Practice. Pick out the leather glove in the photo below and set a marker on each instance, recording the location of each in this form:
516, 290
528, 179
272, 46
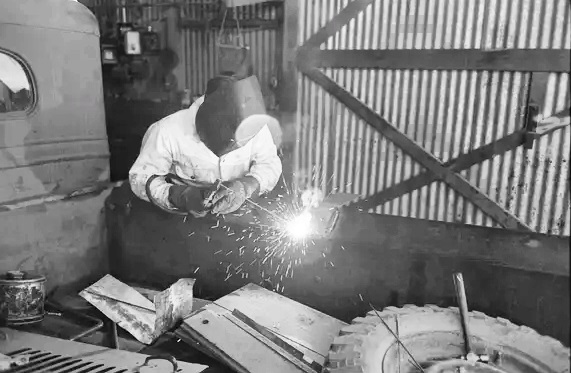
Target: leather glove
232, 194
189, 199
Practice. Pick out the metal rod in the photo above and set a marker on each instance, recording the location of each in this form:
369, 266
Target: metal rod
260, 207
114, 336
98, 322
397, 339
397, 332
93, 329
463, 307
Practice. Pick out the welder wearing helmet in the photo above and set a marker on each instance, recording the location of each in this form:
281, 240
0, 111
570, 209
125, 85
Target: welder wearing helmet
224, 136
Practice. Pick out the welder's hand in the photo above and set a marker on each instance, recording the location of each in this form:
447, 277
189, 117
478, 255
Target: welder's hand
189, 199
230, 197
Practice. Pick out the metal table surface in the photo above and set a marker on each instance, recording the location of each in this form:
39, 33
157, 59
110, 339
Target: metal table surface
50, 354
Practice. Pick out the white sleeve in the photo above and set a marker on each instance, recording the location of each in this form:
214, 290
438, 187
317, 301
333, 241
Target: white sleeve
267, 165
155, 158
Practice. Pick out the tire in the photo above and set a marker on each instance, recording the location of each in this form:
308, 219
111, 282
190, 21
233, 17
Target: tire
432, 334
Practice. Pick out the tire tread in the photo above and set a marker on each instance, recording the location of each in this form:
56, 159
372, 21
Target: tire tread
346, 353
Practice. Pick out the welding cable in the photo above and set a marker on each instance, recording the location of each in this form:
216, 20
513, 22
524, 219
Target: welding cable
156, 203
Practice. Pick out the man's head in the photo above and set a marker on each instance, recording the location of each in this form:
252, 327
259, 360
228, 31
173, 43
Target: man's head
218, 117
227, 103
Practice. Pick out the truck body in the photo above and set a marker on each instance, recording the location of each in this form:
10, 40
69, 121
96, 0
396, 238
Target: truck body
53, 141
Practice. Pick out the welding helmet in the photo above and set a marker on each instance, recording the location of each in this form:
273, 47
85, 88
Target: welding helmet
232, 113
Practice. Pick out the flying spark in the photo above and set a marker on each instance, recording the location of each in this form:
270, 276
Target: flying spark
277, 239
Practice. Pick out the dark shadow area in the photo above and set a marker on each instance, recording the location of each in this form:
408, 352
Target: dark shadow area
127, 122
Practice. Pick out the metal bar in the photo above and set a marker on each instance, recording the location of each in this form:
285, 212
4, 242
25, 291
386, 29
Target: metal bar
98, 322
270, 344
337, 22
532, 60
268, 334
461, 163
419, 154
189, 23
288, 84
114, 336
463, 307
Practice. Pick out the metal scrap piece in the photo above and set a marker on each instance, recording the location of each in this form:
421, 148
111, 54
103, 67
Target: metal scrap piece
143, 319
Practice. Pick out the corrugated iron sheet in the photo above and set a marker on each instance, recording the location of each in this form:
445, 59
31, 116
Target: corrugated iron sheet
448, 113
200, 54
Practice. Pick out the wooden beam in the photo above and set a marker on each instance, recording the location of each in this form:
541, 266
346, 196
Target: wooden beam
288, 75
336, 23
420, 155
533, 60
190, 23
461, 163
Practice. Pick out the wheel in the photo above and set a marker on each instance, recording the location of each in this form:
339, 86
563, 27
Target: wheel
433, 336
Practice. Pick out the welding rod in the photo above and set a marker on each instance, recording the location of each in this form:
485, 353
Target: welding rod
210, 197
463, 307
418, 366
256, 205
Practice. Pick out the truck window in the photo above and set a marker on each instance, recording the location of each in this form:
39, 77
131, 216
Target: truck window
15, 87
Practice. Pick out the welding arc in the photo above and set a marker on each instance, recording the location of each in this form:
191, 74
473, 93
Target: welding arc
398, 339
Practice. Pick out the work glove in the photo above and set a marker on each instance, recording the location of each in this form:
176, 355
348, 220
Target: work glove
189, 199
232, 194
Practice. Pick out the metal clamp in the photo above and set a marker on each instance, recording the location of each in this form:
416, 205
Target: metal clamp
530, 125
168, 358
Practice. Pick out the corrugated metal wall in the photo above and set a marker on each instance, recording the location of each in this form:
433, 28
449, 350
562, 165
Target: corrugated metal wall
198, 52
448, 113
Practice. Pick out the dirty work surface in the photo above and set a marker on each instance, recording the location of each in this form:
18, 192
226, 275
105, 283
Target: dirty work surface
135, 313
309, 331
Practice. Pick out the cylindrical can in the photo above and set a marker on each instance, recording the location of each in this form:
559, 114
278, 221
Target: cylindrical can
22, 297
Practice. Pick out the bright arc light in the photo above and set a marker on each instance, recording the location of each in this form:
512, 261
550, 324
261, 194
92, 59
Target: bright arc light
300, 226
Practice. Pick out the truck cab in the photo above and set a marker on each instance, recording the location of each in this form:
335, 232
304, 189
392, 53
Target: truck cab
54, 153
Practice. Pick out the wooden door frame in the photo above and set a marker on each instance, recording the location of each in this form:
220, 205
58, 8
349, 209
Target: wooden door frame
310, 58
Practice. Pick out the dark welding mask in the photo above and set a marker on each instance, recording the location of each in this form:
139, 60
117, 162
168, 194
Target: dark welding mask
232, 113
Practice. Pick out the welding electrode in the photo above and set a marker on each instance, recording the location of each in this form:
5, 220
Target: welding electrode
210, 198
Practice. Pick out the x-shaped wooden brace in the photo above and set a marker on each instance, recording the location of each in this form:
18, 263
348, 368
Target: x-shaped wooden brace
439, 170
463, 162
419, 154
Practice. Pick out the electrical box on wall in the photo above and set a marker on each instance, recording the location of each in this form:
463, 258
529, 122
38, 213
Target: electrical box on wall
109, 54
150, 42
132, 43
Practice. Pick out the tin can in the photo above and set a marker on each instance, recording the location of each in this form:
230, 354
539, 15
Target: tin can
22, 297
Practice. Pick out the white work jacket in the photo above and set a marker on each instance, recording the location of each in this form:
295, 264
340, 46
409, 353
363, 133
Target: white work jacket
172, 145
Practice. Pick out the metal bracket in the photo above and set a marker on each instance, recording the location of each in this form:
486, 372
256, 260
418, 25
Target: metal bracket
530, 126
